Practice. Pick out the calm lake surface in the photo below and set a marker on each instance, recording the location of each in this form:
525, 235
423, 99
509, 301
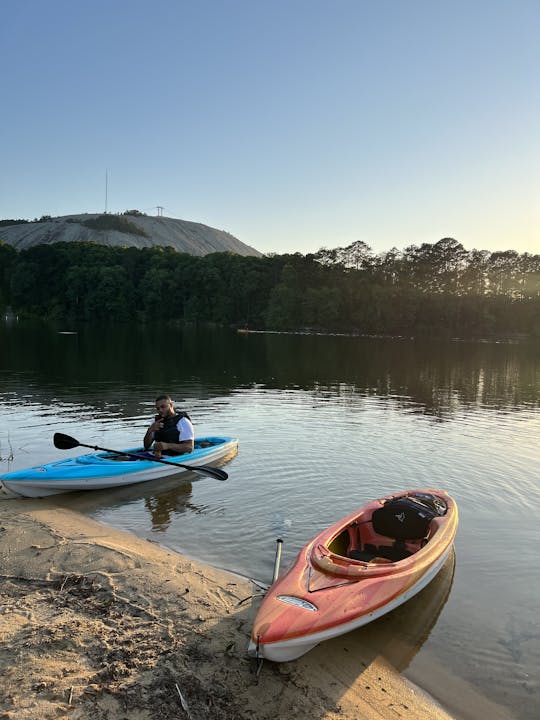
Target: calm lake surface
325, 424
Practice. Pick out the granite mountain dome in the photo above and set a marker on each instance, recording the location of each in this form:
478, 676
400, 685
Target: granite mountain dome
126, 230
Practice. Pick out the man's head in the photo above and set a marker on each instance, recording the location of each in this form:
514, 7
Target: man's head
164, 405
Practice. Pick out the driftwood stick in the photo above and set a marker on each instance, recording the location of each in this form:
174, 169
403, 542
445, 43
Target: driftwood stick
183, 702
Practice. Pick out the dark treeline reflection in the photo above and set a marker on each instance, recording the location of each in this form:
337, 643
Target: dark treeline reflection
124, 364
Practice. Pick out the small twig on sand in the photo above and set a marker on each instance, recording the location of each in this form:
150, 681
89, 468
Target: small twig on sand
21, 578
262, 586
10, 457
256, 596
183, 702
62, 586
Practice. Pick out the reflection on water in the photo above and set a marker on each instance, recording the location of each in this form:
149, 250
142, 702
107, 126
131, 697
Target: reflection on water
162, 506
325, 424
163, 500
399, 635
438, 377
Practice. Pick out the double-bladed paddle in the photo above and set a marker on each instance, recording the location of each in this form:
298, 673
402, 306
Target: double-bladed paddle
65, 442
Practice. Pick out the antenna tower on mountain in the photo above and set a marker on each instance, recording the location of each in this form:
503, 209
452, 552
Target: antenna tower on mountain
106, 190
160, 209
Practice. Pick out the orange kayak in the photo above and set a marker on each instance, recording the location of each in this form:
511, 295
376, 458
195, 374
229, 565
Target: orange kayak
360, 568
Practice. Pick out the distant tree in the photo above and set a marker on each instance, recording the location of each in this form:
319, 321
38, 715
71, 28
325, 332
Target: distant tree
23, 282
111, 298
357, 255
326, 256
387, 267
99, 293
321, 308
8, 258
530, 278
5, 223
114, 222
156, 292
474, 278
283, 312
503, 273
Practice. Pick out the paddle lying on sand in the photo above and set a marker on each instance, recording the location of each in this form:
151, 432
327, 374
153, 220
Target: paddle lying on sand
65, 442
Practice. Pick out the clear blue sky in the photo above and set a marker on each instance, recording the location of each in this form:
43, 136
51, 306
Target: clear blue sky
291, 124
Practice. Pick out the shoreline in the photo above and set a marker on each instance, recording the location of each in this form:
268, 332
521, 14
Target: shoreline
496, 339
98, 623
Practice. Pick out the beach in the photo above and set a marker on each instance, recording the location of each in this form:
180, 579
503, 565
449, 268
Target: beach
98, 623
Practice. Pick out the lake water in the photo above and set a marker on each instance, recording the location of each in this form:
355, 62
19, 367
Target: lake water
325, 424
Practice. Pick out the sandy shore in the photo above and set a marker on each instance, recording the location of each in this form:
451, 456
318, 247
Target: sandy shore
96, 623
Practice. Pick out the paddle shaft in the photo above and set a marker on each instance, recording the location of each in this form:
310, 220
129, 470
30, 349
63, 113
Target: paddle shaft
203, 470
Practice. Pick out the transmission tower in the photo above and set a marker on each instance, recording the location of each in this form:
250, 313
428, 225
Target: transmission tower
159, 209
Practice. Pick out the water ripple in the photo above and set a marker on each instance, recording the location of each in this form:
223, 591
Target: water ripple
309, 456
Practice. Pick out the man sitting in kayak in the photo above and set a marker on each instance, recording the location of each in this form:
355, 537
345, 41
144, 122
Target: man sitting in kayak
171, 432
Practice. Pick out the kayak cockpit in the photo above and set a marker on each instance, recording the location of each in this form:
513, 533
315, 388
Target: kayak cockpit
384, 532
362, 543
138, 454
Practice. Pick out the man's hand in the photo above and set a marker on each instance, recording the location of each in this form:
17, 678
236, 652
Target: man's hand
159, 447
156, 425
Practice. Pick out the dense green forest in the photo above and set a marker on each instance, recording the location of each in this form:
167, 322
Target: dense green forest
432, 288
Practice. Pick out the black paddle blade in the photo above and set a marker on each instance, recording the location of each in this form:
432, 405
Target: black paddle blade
207, 470
64, 442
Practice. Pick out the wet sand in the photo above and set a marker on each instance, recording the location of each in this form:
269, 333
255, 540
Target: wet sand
99, 624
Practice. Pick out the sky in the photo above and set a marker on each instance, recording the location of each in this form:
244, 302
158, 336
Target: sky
292, 124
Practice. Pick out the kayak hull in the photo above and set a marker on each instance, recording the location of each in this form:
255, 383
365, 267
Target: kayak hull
101, 470
326, 593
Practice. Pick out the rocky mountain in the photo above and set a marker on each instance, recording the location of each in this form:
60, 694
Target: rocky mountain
129, 229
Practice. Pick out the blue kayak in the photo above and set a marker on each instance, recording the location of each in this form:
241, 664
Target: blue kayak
101, 470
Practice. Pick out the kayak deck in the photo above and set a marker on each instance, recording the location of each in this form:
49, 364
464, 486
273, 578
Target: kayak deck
201, 449
106, 469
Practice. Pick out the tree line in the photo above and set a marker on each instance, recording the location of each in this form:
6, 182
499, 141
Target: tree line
430, 288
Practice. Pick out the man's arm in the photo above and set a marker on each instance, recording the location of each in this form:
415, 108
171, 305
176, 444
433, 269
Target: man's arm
148, 439
185, 446
149, 436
